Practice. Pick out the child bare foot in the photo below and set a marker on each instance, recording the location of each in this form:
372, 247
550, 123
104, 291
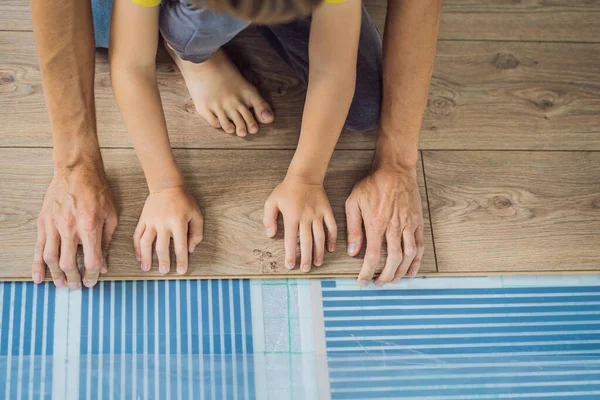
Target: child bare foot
222, 96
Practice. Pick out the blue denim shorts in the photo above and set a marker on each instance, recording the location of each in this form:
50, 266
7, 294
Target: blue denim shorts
193, 32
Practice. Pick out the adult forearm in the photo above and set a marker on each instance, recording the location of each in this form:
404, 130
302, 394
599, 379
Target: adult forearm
409, 46
65, 44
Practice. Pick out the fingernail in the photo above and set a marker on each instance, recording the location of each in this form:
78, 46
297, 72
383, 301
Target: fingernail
318, 262
266, 115
351, 248
379, 284
163, 269
138, 257
363, 282
60, 282
74, 285
242, 133
331, 248
305, 268
192, 248
396, 279
180, 270
270, 232
290, 265
144, 267
89, 282
37, 277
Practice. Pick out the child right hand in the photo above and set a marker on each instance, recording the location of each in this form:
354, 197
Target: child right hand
170, 213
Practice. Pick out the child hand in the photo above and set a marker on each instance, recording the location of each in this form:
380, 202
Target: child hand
170, 213
304, 207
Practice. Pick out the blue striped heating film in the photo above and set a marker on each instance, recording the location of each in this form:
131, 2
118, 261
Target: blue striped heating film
26, 340
526, 342
167, 339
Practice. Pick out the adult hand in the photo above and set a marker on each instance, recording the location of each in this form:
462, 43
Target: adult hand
168, 213
78, 209
305, 209
389, 204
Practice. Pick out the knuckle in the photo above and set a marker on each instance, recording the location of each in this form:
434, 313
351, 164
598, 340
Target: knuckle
145, 241
68, 222
67, 267
372, 256
51, 257
89, 222
94, 266
376, 222
410, 251
395, 223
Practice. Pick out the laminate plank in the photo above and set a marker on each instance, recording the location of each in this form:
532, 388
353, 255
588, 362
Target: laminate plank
484, 95
230, 186
532, 20
514, 211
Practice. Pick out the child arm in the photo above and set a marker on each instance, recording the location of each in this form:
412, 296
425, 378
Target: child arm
333, 49
301, 198
170, 210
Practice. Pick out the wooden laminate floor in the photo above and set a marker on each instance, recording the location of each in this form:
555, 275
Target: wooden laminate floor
509, 170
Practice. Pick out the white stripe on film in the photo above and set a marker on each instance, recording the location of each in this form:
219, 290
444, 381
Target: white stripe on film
90, 316
258, 340
444, 363
134, 340
60, 329
460, 335
190, 375
20, 382
210, 343
101, 341
33, 336
145, 337
406, 296
168, 327
454, 316
73, 350
11, 316
439, 326
352, 307
44, 338
244, 347
178, 333
361, 347
156, 341
377, 388
222, 355
233, 334
123, 329
200, 341
112, 342
400, 377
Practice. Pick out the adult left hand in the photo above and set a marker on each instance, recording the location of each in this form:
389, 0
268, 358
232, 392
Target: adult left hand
388, 202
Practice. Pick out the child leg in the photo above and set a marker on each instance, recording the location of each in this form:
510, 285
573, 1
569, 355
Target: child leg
222, 96
290, 41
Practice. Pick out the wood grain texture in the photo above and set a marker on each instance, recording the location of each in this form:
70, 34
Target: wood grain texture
484, 95
230, 186
514, 211
532, 20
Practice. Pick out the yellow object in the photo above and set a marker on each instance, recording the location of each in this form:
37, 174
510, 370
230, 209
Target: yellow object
147, 3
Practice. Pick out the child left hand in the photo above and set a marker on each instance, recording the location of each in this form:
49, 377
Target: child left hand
305, 208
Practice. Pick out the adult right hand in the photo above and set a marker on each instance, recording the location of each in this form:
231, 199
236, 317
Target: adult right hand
78, 208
